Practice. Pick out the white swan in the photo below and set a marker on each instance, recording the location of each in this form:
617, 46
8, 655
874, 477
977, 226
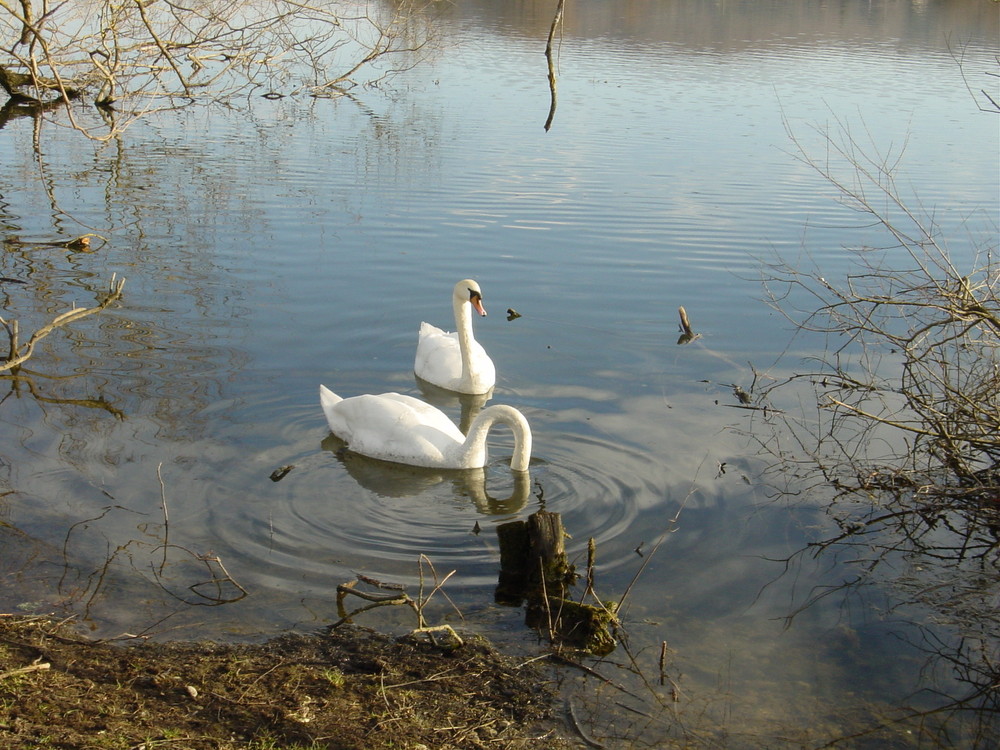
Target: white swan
399, 428
456, 361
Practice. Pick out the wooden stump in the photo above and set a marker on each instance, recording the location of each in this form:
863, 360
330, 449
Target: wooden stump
534, 569
533, 558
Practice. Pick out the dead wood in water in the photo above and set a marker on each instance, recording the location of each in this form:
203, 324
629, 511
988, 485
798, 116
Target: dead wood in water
79, 244
152, 56
11, 81
556, 20
398, 596
552, 29
17, 355
534, 569
532, 558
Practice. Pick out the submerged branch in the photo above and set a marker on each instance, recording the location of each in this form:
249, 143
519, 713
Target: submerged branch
18, 355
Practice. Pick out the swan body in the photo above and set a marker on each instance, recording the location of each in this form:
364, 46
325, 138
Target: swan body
404, 429
456, 361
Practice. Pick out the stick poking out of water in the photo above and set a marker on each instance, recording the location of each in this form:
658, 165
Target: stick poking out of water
552, 71
687, 335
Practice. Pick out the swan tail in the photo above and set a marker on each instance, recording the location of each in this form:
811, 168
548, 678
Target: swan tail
328, 397
427, 329
328, 400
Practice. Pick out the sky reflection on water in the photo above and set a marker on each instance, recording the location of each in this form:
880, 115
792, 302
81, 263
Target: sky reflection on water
300, 242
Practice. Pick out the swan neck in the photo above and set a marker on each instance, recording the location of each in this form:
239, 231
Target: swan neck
508, 415
463, 325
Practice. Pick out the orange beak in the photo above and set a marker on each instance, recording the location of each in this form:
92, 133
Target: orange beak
477, 303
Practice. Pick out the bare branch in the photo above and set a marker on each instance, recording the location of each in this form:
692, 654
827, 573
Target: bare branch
144, 56
16, 356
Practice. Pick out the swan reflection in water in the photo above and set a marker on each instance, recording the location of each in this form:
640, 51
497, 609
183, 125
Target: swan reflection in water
389, 479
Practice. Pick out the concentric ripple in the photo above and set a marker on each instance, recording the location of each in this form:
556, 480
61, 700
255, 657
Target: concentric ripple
337, 514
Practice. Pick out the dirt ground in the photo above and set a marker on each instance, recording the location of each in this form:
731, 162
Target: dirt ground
353, 688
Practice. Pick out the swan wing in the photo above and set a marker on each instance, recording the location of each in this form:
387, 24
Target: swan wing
439, 357
396, 427
483, 367
439, 361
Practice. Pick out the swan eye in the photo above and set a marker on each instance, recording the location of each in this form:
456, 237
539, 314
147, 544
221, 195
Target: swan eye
476, 300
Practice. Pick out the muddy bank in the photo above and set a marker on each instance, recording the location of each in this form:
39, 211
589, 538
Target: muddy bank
354, 688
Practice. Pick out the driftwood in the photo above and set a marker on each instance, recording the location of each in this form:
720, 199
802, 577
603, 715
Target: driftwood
81, 243
281, 472
18, 355
534, 569
552, 70
11, 81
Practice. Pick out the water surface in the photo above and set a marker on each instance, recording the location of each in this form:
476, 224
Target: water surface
280, 244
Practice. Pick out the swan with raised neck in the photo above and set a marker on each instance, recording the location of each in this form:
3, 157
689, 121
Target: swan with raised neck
455, 360
403, 429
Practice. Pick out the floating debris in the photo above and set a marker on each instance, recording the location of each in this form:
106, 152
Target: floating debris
77, 244
80, 243
742, 395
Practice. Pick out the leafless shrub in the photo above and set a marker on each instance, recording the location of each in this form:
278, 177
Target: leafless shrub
907, 394
897, 422
136, 56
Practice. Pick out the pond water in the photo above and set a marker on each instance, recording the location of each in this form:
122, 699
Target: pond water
276, 245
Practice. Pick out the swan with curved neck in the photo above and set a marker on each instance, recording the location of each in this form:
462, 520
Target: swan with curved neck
406, 430
456, 361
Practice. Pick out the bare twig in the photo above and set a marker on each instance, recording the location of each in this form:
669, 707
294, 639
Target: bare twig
398, 597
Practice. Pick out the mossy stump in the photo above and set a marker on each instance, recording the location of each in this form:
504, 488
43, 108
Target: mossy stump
534, 570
